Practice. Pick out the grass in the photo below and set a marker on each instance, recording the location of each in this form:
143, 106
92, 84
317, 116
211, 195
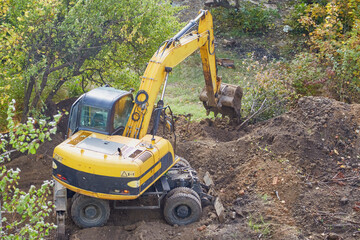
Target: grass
187, 81
259, 225
184, 87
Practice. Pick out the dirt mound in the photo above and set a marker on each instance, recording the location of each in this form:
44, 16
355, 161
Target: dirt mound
295, 176
298, 172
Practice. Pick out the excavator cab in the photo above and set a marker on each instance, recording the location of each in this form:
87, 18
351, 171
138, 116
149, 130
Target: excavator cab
103, 110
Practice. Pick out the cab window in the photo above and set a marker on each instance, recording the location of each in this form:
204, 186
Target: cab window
72, 127
122, 111
93, 117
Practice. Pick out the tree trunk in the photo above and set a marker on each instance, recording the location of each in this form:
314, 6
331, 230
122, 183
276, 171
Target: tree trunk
28, 91
42, 87
55, 90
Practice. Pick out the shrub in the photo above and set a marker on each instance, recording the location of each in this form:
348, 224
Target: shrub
333, 67
248, 17
269, 92
308, 75
23, 214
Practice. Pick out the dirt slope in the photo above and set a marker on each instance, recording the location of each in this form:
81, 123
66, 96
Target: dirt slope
292, 177
296, 176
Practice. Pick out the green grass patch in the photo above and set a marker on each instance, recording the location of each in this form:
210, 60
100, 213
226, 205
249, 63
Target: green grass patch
187, 81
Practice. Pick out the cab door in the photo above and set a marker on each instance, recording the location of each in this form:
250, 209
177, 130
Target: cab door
73, 124
121, 113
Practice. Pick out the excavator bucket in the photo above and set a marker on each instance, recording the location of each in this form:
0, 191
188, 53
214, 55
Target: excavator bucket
229, 103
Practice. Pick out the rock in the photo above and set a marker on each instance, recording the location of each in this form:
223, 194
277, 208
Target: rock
333, 236
229, 43
202, 228
131, 227
212, 216
232, 215
240, 212
207, 222
344, 200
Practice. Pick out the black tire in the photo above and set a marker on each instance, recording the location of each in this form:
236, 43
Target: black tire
182, 190
90, 212
76, 195
182, 209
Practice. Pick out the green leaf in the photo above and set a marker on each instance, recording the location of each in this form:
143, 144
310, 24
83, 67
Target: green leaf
32, 150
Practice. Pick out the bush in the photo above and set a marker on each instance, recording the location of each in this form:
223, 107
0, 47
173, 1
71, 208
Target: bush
248, 17
269, 92
333, 66
23, 213
309, 76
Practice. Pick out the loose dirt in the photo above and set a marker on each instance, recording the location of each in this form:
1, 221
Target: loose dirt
295, 176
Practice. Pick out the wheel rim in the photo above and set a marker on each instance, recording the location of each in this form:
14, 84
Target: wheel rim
182, 211
91, 213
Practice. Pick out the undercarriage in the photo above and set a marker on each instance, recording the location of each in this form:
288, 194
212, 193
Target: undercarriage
179, 193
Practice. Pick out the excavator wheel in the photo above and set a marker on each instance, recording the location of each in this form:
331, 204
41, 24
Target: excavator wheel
182, 209
76, 195
90, 212
182, 190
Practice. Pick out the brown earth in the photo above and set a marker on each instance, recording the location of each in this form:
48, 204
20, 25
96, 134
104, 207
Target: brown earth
295, 176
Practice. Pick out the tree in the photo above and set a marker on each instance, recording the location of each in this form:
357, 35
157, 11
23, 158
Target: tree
48, 44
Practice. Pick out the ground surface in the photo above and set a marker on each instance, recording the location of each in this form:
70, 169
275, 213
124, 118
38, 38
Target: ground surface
292, 177
295, 176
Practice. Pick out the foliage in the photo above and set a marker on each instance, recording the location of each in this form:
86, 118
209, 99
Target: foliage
333, 30
309, 76
246, 17
292, 19
27, 137
24, 212
269, 91
48, 43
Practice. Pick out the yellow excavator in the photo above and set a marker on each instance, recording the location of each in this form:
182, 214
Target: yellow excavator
108, 157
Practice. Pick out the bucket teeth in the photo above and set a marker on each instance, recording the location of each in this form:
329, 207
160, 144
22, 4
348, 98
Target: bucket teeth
229, 101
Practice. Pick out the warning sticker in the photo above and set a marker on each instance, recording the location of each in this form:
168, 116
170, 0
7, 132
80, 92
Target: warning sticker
127, 174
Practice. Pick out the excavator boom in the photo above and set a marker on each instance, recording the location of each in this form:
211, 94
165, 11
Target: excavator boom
217, 97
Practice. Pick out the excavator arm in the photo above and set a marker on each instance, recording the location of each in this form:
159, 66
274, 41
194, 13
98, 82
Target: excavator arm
170, 54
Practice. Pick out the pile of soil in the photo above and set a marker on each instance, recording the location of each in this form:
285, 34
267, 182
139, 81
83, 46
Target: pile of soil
292, 177
295, 176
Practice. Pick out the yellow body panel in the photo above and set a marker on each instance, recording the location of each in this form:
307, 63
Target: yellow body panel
140, 165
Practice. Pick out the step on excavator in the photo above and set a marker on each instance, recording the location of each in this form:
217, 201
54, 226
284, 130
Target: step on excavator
109, 159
